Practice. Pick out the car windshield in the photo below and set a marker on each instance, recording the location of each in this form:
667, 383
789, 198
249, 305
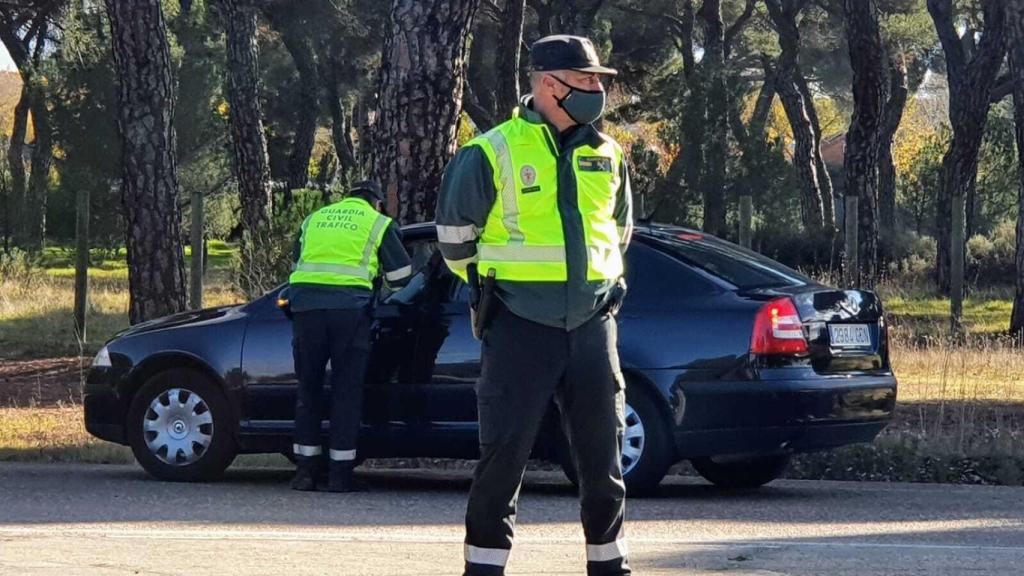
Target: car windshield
745, 269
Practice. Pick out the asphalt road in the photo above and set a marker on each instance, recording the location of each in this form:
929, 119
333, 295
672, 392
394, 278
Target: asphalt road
63, 520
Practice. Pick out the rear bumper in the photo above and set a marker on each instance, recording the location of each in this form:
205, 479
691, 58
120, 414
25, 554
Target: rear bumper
780, 415
774, 440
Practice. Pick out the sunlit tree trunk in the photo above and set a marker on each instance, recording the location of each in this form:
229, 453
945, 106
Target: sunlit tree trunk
419, 101
149, 186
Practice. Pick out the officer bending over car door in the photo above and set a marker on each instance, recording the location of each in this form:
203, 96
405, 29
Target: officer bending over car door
535, 215
341, 250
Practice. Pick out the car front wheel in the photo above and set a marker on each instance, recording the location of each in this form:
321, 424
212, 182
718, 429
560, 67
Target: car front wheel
179, 427
741, 473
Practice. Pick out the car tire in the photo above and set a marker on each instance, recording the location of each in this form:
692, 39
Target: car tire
747, 473
647, 432
180, 427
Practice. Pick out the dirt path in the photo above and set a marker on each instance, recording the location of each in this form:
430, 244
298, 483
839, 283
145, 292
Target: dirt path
47, 382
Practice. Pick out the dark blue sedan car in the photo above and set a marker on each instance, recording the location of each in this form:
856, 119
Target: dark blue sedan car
732, 361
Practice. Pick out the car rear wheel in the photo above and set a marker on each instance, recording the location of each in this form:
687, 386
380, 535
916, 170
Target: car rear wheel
646, 446
741, 473
179, 427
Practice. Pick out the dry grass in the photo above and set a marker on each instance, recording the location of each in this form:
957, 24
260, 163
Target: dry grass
36, 310
991, 372
54, 434
57, 434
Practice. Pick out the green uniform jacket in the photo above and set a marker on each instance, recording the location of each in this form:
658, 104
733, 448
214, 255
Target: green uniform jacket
467, 195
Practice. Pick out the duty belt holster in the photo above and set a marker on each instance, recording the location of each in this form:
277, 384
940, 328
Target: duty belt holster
481, 299
285, 304
617, 296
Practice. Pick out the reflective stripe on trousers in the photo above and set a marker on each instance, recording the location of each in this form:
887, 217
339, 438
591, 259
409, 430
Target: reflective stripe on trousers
605, 552
343, 455
302, 450
488, 556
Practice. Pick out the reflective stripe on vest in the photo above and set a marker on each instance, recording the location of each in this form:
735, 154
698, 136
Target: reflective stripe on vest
523, 238
339, 245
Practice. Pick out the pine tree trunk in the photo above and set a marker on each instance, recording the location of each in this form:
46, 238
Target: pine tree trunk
896, 104
296, 40
752, 138
196, 241
420, 98
803, 153
39, 178
16, 164
716, 133
509, 43
867, 58
1015, 17
341, 136
783, 14
149, 187
249, 143
828, 193
971, 79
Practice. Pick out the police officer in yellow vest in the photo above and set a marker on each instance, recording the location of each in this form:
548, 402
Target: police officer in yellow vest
340, 252
543, 203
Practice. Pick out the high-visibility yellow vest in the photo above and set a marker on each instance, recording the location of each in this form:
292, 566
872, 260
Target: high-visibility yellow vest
523, 239
339, 245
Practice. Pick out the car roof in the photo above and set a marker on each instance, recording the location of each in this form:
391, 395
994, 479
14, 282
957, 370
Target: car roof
737, 266
644, 228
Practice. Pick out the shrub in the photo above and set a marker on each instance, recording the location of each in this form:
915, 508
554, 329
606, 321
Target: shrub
267, 256
16, 264
813, 254
910, 258
991, 259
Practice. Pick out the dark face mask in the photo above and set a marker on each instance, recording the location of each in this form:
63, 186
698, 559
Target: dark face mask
583, 106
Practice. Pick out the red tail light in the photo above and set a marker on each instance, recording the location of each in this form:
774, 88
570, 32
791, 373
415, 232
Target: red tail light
778, 330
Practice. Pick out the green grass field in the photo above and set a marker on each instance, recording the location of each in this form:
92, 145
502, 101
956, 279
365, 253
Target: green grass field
983, 314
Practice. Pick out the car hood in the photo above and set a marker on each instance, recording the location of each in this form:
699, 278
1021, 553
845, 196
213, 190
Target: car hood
181, 319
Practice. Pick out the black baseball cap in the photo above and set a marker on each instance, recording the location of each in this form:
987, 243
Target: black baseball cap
368, 188
565, 52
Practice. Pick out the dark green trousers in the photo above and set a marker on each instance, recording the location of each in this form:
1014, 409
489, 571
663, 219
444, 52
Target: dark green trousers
525, 366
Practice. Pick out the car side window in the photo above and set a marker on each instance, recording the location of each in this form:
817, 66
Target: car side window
653, 275
420, 252
431, 280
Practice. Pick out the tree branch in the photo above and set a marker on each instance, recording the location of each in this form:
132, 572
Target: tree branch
675, 23
991, 51
689, 60
1002, 89
482, 118
738, 25
681, 27
491, 9
942, 15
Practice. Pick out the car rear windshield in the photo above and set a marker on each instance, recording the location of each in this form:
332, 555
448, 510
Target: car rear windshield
745, 269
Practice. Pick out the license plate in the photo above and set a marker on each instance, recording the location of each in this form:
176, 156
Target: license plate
850, 336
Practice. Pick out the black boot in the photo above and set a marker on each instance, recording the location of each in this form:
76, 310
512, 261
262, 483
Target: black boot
305, 474
342, 479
